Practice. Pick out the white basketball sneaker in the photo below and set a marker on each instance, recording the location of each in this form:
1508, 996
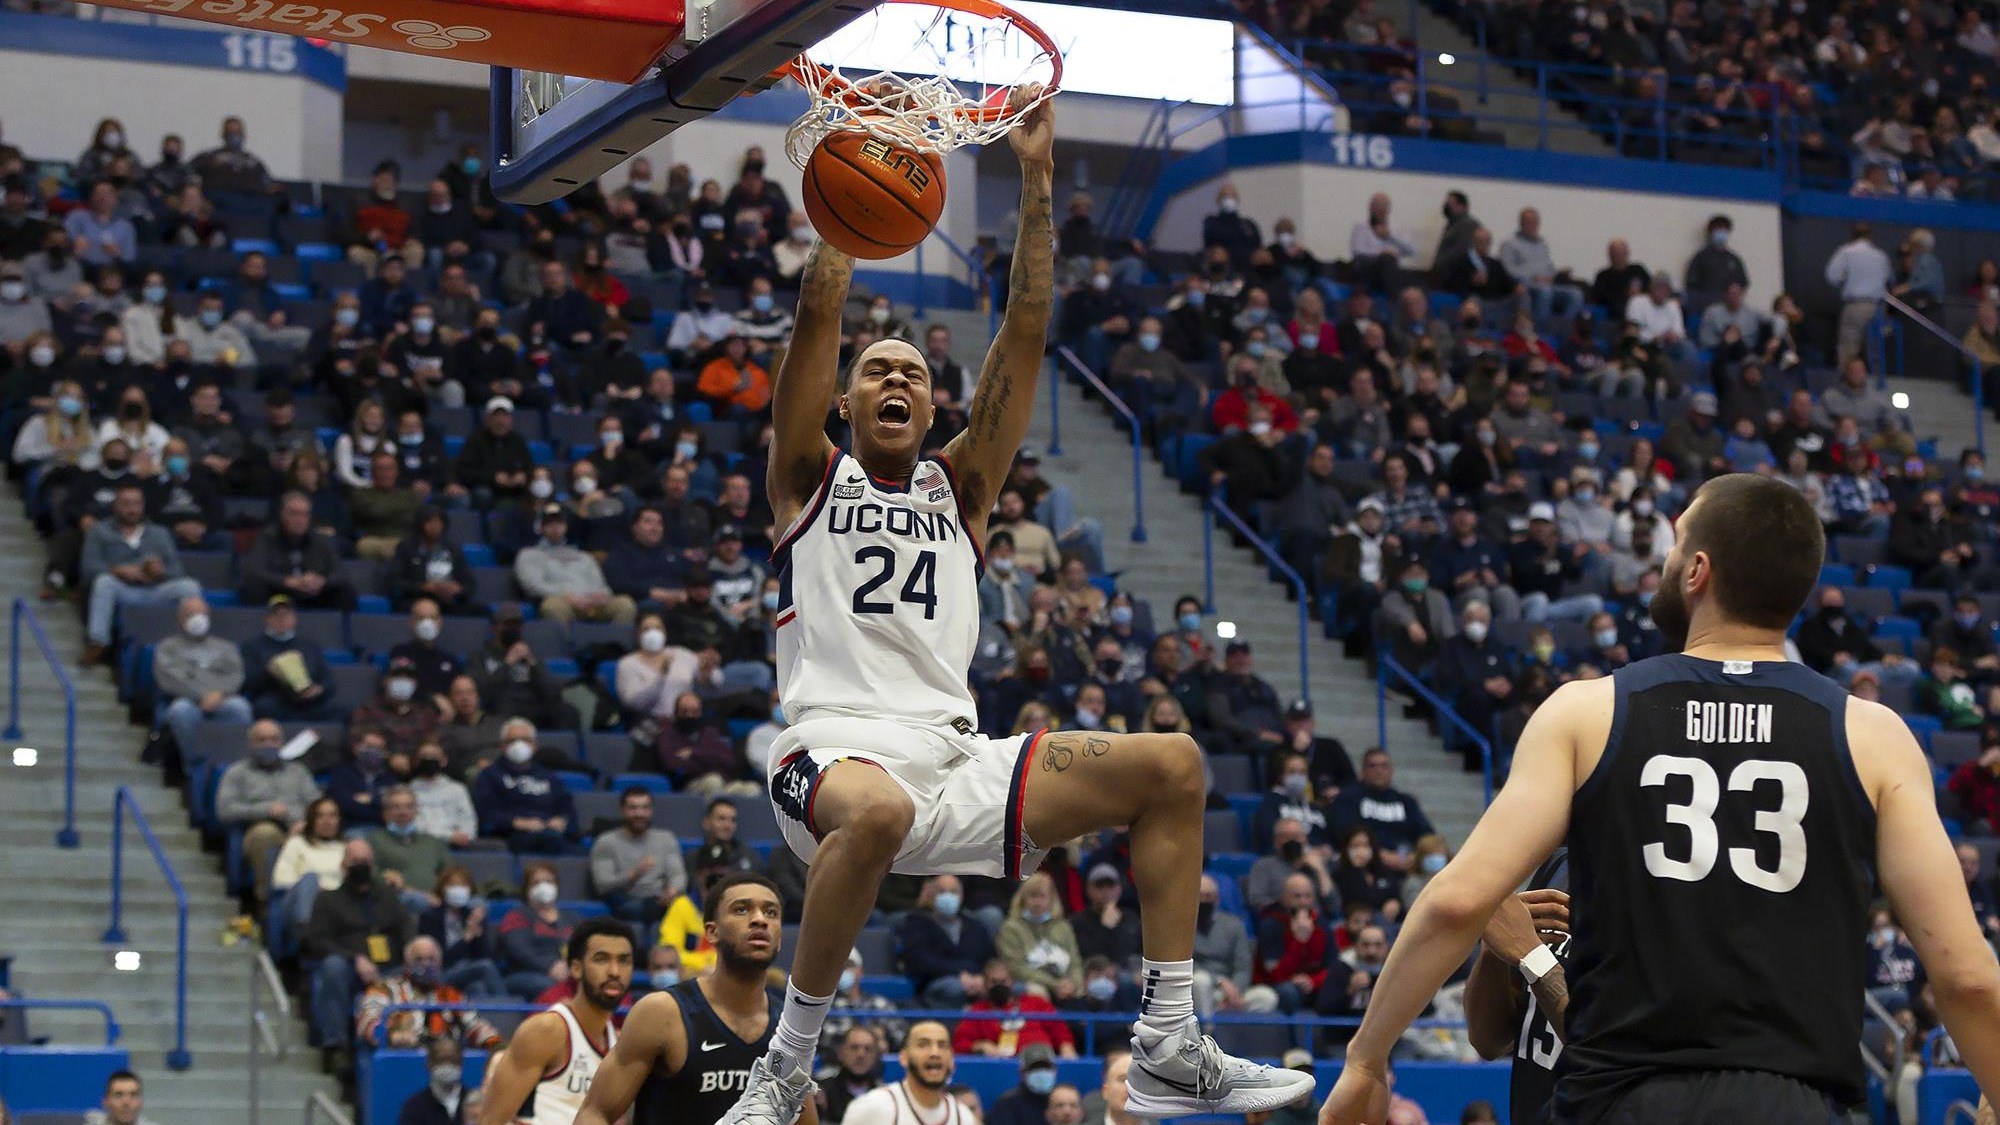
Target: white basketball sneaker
771, 1100
1186, 1073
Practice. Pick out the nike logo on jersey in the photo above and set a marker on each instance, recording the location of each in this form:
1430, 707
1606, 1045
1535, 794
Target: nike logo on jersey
707, 1046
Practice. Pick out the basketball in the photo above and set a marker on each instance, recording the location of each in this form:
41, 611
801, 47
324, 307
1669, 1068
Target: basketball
872, 199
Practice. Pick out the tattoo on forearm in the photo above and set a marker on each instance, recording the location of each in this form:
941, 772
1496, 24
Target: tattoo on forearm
1030, 302
1552, 997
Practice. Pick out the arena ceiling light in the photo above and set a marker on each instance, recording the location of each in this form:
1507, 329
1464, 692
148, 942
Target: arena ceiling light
125, 960
1446, 58
1225, 630
26, 757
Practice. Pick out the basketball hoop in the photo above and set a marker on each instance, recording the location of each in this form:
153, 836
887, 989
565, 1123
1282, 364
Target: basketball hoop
947, 90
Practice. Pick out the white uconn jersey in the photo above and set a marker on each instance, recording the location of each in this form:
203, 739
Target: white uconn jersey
561, 1092
878, 604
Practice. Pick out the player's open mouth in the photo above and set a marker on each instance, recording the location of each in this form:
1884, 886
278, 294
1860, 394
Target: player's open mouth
893, 412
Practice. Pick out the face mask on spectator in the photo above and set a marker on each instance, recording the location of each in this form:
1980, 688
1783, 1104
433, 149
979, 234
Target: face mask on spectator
520, 751
115, 466
1434, 863
281, 636
13, 292
457, 896
370, 757
361, 876
947, 903
847, 979
584, 485
444, 1076
1286, 239
1204, 915
1719, 238
1085, 717
1255, 348
1196, 298
778, 714
114, 354
470, 165
1415, 587
1098, 281
410, 440
541, 488
1587, 451
1149, 341
760, 302
1642, 507
196, 625
1189, 622
70, 405
1259, 429
1227, 204
653, 640
427, 629
177, 465
1101, 989
1295, 785
879, 314
42, 355
347, 318
1974, 472
1309, 341
1475, 631
426, 977
1586, 495
542, 893
1121, 615
686, 450
1040, 1080
770, 601
1605, 638
211, 318
423, 325
402, 689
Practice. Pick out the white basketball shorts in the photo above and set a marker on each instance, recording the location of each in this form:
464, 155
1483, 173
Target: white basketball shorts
968, 791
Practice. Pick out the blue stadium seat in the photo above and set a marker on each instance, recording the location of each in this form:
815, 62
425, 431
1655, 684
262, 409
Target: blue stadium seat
1889, 577
1923, 726
576, 781
658, 786
595, 806
1234, 773
1221, 831
1836, 574
1952, 748
608, 752
489, 869
476, 554
492, 584
1870, 603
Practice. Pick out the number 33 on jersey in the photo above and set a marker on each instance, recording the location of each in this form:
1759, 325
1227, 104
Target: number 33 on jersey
878, 599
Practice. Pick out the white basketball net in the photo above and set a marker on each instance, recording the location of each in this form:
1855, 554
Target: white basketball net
927, 78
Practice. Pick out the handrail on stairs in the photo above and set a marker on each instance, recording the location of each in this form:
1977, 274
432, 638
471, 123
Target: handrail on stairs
321, 1104
264, 981
1131, 419
125, 804
1385, 668
111, 1029
1299, 588
66, 835
1878, 329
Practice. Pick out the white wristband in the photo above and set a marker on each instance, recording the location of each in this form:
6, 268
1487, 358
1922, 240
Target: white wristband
1539, 962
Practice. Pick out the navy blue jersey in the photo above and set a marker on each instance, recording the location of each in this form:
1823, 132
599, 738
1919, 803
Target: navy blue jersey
1722, 863
1539, 1048
716, 1070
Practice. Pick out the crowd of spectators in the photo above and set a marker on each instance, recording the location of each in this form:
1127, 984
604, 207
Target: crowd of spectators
1891, 107
439, 530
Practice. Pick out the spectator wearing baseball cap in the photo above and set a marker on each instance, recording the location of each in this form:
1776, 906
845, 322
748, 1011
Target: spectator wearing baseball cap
1103, 927
1243, 705
399, 710
1695, 445
1359, 567
1547, 569
1327, 765
285, 675
735, 580
496, 462
565, 581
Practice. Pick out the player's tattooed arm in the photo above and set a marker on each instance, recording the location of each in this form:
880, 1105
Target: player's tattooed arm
1005, 398
803, 389
1552, 997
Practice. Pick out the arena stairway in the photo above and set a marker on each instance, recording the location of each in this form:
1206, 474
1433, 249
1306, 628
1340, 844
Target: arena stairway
56, 906
1096, 466
1511, 106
